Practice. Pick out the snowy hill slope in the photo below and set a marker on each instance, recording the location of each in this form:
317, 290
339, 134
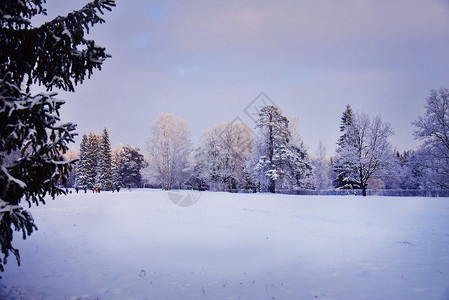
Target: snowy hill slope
139, 245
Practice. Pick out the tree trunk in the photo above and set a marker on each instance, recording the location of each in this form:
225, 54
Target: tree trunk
271, 186
364, 190
271, 183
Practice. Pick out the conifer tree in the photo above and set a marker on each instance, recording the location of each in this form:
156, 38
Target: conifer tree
300, 171
277, 161
131, 163
104, 165
275, 133
32, 139
341, 170
92, 158
81, 170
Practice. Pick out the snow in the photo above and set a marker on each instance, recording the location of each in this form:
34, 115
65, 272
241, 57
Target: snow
10, 178
67, 33
139, 245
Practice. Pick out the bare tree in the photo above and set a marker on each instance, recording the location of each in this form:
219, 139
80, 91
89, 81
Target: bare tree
168, 149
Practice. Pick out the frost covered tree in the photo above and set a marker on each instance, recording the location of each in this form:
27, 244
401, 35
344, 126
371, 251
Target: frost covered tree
104, 164
81, 169
87, 170
273, 138
32, 138
168, 148
300, 173
433, 129
131, 164
365, 152
92, 158
275, 160
407, 173
222, 154
71, 155
322, 169
340, 170
115, 165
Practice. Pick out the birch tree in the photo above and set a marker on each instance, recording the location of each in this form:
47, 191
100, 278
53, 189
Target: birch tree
168, 148
322, 169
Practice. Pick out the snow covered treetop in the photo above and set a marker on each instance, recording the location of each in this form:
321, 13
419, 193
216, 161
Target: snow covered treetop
56, 54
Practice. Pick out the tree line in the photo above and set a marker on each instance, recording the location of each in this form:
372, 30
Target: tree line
365, 156
272, 157
107, 169
229, 156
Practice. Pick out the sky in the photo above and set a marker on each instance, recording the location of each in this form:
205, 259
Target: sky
214, 61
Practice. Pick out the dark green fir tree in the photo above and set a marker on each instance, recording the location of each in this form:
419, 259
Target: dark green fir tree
33, 139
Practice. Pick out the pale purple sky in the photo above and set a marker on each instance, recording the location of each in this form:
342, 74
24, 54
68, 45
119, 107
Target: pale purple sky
206, 61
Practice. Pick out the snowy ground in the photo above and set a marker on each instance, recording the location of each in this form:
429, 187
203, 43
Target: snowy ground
139, 245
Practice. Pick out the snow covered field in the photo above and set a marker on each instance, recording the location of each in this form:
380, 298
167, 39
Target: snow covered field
139, 245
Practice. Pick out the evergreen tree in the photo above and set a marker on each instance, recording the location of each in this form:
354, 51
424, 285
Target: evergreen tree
32, 138
276, 160
301, 171
81, 170
92, 157
346, 121
131, 163
104, 165
275, 135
